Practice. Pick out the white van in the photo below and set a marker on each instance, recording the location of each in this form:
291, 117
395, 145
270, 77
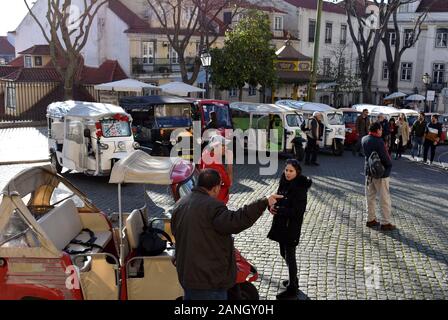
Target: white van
333, 120
88, 137
283, 122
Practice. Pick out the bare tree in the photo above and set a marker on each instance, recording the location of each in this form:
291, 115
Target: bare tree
201, 22
395, 51
67, 31
367, 30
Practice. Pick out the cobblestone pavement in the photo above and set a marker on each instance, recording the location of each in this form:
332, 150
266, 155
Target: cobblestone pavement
20, 145
338, 257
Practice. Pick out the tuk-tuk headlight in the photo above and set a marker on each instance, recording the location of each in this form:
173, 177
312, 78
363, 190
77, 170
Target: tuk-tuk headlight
136, 145
121, 146
104, 146
173, 142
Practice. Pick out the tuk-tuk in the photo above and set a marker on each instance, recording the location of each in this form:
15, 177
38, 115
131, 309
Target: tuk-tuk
275, 128
333, 120
88, 137
155, 118
351, 132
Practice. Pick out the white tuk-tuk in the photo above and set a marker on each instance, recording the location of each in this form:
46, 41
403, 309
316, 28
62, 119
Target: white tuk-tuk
333, 120
88, 137
277, 128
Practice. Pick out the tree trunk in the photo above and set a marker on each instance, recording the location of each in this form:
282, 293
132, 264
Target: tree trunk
69, 80
240, 96
392, 84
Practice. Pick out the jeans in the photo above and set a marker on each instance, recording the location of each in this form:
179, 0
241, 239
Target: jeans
311, 150
289, 254
427, 145
192, 294
417, 145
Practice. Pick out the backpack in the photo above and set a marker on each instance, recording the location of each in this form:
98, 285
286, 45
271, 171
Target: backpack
374, 166
150, 241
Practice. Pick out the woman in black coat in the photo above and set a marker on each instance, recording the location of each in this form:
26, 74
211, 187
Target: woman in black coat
287, 222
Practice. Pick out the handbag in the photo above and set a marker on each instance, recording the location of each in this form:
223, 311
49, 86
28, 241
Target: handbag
151, 242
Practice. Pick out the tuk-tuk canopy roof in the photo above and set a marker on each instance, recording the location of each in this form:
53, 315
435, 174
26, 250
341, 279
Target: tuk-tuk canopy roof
250, 107
141, 168
305, 106
80, 109
376, 109
144, 102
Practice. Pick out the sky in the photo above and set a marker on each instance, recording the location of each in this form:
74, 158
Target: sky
11, 14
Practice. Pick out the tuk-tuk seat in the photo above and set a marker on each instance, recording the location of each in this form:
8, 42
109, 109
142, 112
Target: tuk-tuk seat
63, 225
134, 227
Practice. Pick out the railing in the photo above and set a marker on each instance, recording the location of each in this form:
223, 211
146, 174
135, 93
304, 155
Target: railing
144, 66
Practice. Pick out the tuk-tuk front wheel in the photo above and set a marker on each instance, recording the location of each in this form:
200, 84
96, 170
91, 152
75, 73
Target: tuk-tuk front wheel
338, 147
55, 162
243, 291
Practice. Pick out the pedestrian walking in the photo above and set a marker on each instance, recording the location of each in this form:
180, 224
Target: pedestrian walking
314, 131
403, 135
377, 185
433, 134
287, 222
393, 136
418, 132
362, 127
385, 127
203, 227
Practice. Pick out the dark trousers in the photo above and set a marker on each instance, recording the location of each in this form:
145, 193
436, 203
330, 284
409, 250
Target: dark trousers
400, 148
311, 150
289, 254
429, 144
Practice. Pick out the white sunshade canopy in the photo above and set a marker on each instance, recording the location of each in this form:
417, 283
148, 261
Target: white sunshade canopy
409, 112
126, 85
261, 108
179, 89
376, 109
141, 168
80, 109
395, 95
305, 106
416, 97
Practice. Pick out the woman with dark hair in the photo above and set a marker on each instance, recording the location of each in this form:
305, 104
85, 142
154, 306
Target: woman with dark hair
287, 222
393, 135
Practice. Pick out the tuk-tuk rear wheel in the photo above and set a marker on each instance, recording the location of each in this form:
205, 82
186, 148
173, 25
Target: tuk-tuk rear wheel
249, 291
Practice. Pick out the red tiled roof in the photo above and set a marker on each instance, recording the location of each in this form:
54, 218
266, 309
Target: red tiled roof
433, 5
40, 50
133, 21
6, 48
34, 75
312, 4
17, 62
6, 70
109, 71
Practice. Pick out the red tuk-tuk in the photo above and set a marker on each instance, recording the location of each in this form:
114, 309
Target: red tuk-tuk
203, 110
350, 117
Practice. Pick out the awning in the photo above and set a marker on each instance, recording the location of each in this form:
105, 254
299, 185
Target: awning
126, 85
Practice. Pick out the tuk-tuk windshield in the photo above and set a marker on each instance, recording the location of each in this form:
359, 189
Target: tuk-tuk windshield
350, 117
115, 128
294, 120
173, 116
222, 113
335, 119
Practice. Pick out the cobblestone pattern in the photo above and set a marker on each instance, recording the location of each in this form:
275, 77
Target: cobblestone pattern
338, 257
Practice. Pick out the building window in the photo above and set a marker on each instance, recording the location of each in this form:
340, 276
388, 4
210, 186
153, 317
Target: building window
442, 38
174, 56
233, 93
11, 101
328, 32
392, 37
252, 91
227, 18
404, 8
341, 67
408, 37
385, 71
278, 24
28, 62
327, 64
343, 34
438, 73
148, 52
312, 31
406, 71
38, 61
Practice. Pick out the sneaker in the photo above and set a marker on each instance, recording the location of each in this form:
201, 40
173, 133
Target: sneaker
288, 294
388, 227
430, 163
372, 224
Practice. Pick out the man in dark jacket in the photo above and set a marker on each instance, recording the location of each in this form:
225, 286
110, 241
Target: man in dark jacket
362, 127
373, 142
433, 134
418, 132
385, 128
203, 228
314, 133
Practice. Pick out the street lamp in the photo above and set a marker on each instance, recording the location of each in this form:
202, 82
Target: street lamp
426, 80
206, 59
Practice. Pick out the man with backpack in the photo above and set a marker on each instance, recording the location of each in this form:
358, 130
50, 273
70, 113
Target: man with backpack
314, 131
378, 167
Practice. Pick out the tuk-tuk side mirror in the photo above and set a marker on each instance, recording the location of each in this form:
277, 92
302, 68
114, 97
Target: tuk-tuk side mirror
87, 133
